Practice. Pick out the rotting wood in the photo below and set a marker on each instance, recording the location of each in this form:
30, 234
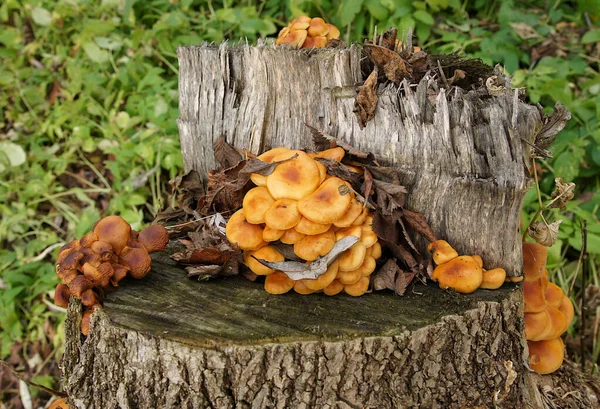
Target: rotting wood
460, 154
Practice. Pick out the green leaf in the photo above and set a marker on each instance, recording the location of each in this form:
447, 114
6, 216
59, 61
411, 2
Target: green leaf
95, 53
592, 36
377, 10
349, 11
424, 17
41, 16
11, 154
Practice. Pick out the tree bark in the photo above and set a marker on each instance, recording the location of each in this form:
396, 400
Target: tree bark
461, 155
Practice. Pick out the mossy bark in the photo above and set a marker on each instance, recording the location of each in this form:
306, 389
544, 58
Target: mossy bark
171, 342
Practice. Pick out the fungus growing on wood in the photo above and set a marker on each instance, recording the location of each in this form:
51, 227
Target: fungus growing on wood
310, 248
282, 214
60, 403
255, 204
267, 253
547, 356
304, 32
295, 178
357, 289
137, 260
154, 238
334, 288
442, 251
461, 273
326, 204
62, 295
115, 230
246, 235
492, 279
278, 283
534, 260
323, 280
310, 228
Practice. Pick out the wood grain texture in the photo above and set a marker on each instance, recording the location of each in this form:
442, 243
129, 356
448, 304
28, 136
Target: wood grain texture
171, 342
460, 153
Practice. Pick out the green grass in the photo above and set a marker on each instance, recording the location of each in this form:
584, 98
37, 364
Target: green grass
88, 108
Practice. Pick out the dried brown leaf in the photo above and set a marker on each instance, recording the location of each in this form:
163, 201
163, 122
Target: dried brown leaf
226, 155
394, 66
563, 193
366, 100
224, 193
255, 165
553, 124
391, 277
389, 196
418, 223
189, 189
543, 233
388, 38
340, 170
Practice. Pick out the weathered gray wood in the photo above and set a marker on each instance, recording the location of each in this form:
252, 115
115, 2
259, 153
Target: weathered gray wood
171, 342
460, 153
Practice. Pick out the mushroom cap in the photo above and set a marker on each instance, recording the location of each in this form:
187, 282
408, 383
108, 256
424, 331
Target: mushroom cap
566, 307
301, 288
326, 204
282, 214
270, 234
88, 239
492, 279
333, 32
534, 296
291, 236
546, 356
100, 275
368, 236
317, 27
478, 259
322, 172
69, 263
89, 298
255, 204
359, 288
85, 322
352, 258
554, 295
375, 251
534, 260
348, 231
294, 38
536, 323
310, 248
154, 238
300, 23
101, 246
137, 260
336, 153
62, 295
442, 251
268, 253
324, 279
115, 230
555, 327
334, 288
310, 228
278, 283
462, 273
351, 214
79, 285
60, 403
362, 218
257, 178
120, 273
272, 153
246, 235
368, 266
314, 42
294, 179
349, 277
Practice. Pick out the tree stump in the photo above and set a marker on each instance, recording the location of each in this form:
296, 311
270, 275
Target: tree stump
170, 342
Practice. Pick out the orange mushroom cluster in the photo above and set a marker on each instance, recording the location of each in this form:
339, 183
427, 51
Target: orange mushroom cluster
299, 204
548, 312
464, 274
306, 32
101, 259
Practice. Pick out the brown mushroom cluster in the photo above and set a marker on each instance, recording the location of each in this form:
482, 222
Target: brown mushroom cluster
300, 205
306, 32
101, 259
465, 274
548, 312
